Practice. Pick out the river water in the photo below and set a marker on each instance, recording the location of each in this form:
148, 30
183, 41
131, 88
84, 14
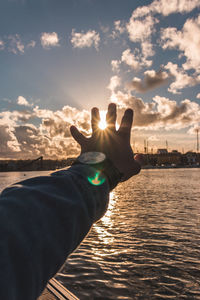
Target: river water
147, 246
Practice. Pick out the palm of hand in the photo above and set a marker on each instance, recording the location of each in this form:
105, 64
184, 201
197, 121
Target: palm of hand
115, 144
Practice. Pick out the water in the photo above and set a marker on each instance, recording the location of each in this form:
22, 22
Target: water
147, 246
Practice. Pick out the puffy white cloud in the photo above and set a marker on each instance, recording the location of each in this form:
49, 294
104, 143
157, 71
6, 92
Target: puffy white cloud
49, 39
186, 40
135, 60
119, 26
14, 117
173, 6
181, 78
198, 96
87, 39
130, 59
114, 83
9, 144
22, 101
141, 26
15, 44
115, 65
141, 30
152, 80
147, 49
166, 7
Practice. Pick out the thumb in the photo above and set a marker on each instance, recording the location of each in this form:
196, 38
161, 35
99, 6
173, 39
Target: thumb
77, 135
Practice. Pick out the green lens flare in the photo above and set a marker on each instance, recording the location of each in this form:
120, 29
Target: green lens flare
96, 180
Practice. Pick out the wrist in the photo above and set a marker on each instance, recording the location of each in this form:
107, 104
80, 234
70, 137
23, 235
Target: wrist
104, 168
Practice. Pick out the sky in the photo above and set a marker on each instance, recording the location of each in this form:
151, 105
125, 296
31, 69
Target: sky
58, 59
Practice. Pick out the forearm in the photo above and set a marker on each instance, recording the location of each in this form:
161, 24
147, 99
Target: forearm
42, 221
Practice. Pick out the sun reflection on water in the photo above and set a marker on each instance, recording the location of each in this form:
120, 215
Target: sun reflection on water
106, 223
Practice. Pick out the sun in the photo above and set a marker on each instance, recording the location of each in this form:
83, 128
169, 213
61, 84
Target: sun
102, 124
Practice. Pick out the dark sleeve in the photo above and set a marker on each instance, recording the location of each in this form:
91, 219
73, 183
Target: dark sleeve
42, 220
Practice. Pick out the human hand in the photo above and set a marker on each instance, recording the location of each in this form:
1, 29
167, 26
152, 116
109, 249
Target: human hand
114, 143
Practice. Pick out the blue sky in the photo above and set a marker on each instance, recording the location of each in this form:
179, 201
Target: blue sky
60, 58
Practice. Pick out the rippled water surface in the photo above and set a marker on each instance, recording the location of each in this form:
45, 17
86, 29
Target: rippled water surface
147, 246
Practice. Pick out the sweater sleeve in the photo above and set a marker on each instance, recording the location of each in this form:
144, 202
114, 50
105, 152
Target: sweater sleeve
42, 220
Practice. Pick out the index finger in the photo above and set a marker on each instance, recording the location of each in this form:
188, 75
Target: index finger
126, 123
95, 118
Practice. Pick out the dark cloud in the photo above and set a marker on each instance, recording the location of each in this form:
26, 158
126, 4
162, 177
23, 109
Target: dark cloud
151, 81
162, 112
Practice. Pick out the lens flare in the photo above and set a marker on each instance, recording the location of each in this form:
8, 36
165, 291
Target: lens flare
96, 180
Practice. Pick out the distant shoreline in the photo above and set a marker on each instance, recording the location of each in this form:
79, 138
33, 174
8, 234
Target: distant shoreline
171, 167
143, 168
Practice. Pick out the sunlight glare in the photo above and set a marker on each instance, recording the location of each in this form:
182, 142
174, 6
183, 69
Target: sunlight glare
102, 123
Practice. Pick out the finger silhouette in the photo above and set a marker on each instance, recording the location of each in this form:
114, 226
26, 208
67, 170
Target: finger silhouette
95, 119
126, 123
77, 135
111, 116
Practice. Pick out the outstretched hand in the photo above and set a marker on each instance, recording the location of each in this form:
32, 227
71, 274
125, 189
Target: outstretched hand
114, 143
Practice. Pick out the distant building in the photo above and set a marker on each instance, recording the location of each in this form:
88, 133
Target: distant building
162, 151
191, 158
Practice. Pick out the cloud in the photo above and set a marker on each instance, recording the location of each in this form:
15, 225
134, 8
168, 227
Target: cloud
12, 118
135, 59
166, 8
161, 113
85, 40
142, 23
130, 59
198, 96
114, 83
49, 39
119, 28
9, 144
22, 101
181, 78
152, 80
186, 40
15, 44
104, 29
115, 65
31, 44
2, 45
141, 30
50, 138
